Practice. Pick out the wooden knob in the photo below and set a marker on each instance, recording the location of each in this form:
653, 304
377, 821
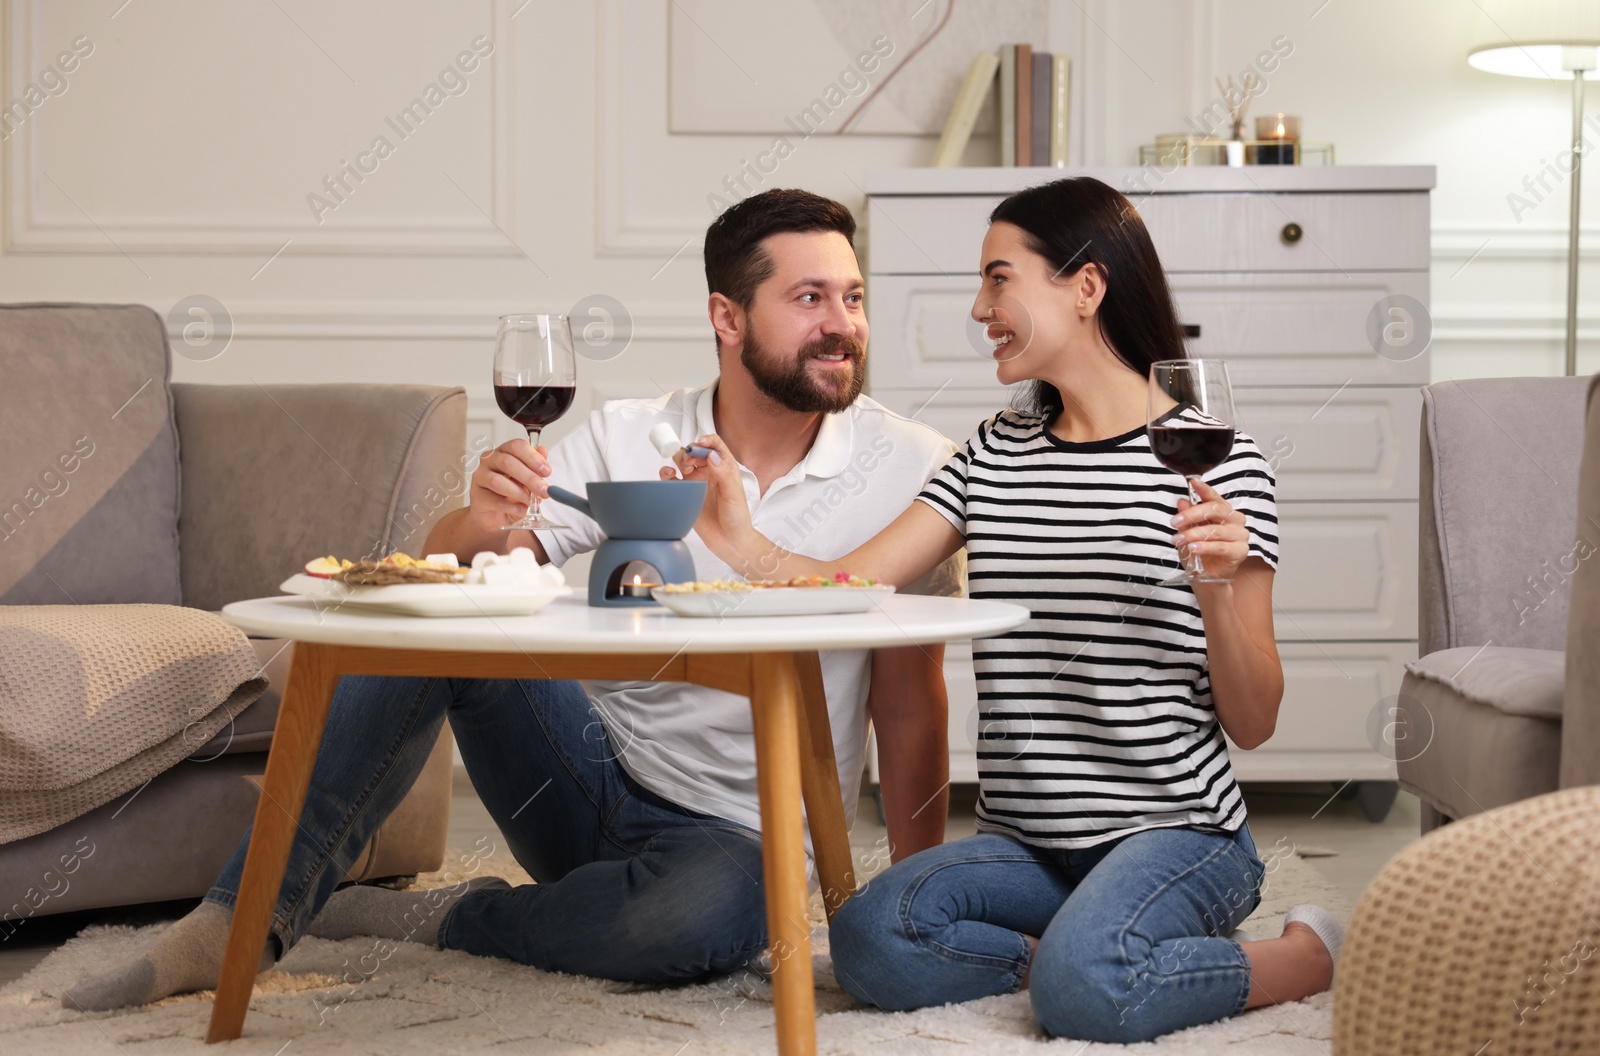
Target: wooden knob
1291, 233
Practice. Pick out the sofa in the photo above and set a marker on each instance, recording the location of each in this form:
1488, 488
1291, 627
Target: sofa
202, 495
1504, 703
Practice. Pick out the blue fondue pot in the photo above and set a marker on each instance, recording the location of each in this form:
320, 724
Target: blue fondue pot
644, 521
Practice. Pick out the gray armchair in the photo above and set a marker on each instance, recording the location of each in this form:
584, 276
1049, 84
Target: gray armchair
1504, 703
207, 494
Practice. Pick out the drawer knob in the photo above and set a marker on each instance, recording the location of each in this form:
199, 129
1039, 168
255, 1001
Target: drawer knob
1291, 233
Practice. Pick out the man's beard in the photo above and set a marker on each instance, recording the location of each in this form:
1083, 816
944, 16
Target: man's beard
793, 386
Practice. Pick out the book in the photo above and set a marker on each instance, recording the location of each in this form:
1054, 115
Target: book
1008, 104
1060, 108
1024, 104
1043, 74
964, 112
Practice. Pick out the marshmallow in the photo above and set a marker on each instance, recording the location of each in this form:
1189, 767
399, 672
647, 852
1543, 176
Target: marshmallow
665, 440
520, 568
502, 576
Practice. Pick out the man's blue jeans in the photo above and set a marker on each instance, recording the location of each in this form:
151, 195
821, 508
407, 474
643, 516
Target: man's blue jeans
630, 886
1129, 945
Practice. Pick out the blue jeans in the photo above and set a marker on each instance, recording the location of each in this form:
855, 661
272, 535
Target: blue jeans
630, 886
1128, 930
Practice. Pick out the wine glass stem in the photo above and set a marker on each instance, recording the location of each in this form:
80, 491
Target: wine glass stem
1192, 561
533, 500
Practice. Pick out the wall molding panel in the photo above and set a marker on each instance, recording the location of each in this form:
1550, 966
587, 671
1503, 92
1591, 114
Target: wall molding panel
619, 231
422, 322
29, 230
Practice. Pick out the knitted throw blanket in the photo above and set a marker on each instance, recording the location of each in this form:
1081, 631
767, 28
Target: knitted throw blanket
95, 700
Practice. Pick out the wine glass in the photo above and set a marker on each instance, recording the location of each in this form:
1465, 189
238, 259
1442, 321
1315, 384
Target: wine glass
1191, 423
535, 379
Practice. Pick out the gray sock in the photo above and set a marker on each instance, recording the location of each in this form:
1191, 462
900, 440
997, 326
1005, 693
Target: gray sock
187, 956
409, 916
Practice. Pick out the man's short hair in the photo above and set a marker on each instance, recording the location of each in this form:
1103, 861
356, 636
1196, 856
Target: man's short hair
736, 262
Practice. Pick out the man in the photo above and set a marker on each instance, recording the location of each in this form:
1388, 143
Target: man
633, 805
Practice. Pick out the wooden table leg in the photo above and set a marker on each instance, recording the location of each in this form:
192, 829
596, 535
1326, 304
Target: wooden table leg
819, 783
313, 676
775, 703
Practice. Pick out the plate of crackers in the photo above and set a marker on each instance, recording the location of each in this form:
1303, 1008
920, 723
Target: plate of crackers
801, 596
513, 584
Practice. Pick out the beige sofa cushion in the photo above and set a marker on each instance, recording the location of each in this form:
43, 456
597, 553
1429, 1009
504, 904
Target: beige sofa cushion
89, 484
352, 470
1526, 682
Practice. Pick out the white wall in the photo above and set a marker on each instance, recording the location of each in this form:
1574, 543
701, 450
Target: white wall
179, 157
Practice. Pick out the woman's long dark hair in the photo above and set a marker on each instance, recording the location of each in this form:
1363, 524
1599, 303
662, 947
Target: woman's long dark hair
1079, 221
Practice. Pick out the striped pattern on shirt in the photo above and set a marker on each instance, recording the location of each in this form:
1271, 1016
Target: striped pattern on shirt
1095, 717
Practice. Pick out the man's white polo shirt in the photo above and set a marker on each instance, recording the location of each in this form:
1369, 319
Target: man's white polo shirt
692, 745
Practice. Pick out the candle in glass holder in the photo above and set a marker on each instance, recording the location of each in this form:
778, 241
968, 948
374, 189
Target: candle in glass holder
638, 588
1278, 137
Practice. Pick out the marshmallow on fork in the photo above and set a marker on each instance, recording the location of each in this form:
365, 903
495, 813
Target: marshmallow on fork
666, 441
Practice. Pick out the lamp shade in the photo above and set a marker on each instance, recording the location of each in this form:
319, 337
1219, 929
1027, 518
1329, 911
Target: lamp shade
1526, 38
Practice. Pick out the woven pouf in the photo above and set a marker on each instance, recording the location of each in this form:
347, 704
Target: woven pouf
1484, 936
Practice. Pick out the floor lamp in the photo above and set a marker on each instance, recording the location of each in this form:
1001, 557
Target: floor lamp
1555, 40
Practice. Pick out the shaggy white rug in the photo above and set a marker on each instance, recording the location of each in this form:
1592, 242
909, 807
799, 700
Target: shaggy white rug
401, 999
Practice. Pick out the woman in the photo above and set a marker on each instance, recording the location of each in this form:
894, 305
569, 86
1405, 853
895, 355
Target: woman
1112, 859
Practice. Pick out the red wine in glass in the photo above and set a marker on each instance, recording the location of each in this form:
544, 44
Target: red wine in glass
535, 379
1191, 428
534, 406
1192, 450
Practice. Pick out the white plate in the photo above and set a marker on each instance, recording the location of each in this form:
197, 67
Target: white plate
773, 601
427, 599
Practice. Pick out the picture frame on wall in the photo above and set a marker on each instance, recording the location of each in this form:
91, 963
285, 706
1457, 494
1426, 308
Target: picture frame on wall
892, 67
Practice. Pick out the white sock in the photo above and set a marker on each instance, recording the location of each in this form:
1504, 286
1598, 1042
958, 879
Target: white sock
1319, 920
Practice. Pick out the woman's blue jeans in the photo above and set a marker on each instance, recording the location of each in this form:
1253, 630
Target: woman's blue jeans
630, 886
1129, 945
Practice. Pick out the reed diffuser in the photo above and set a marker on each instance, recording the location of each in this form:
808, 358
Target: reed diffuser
1238, 97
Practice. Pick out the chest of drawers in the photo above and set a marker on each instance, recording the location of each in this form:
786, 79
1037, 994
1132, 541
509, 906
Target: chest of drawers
1292, 275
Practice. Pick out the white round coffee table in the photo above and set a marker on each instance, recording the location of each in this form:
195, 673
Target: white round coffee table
771, 659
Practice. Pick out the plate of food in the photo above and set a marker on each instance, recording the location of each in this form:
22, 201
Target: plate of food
801, 596
513, 584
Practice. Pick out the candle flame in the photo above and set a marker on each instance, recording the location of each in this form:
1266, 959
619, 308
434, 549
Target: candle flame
1280, 129
637, 581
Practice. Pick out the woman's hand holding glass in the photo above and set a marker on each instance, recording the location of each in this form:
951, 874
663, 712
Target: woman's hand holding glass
1213, 530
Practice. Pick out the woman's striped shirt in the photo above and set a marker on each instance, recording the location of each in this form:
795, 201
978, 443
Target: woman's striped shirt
1095, 717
